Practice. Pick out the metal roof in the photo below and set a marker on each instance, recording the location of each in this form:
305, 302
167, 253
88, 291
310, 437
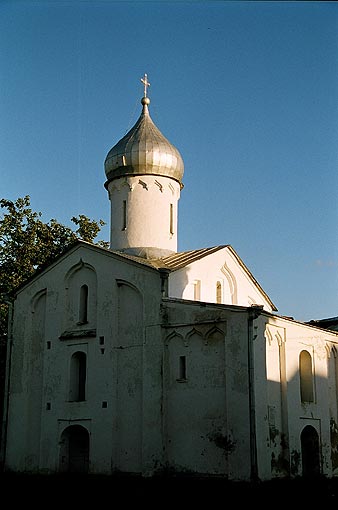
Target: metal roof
184, 258
144, 150
179, 260
172, 262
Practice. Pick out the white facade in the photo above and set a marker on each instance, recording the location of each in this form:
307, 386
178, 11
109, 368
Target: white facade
219, 277
147, 383
142, 360
294, 400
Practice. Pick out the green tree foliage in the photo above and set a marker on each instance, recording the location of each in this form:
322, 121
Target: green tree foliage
28, 244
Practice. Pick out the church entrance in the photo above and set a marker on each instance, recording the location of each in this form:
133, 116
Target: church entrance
310, 451
74, 450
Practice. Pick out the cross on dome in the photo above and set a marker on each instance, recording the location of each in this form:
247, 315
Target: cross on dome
146, 83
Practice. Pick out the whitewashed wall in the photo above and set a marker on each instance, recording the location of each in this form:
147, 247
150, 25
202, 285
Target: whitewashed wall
221, 266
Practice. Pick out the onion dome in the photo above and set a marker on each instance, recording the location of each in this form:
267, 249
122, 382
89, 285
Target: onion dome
144, 150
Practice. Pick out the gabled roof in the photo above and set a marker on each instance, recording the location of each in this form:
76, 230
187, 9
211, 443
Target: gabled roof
73, 246
172, 262
251, 276
179, 260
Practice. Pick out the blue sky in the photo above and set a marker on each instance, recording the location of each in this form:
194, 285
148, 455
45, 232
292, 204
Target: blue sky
247, 91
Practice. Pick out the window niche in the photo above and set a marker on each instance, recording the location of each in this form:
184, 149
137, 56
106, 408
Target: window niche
306, 377
197, 290
171, 219
77, 380
124, 215
80, 305
83, 305
182, 368
218, 292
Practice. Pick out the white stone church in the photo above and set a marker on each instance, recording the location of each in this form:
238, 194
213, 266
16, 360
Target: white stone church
139, 359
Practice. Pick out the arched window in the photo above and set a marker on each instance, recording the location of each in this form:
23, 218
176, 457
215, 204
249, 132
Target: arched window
306, 377
218, 292
182, 369
124, 215
197, 290
171, 219
78, 369
83, 306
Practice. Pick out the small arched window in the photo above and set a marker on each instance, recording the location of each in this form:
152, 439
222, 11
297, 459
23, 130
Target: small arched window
83, 306
124, 215
306, 377
197, 290
218, 292
171, 219
78, 370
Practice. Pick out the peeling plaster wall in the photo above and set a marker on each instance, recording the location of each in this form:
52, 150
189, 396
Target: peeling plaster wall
271, 399
145, 413
112, 341
280, 414
206, 415
138, 417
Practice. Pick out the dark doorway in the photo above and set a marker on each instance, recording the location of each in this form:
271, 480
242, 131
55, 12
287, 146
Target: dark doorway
74, 451
310, 451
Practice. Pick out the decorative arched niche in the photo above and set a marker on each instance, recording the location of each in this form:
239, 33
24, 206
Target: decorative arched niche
38, 308
80, 297
130, 314
229, 291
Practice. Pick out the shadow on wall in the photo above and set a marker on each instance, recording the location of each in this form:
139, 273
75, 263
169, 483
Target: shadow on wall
302, 417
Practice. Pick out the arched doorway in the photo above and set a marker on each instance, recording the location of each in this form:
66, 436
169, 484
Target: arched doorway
74, 450
310, 451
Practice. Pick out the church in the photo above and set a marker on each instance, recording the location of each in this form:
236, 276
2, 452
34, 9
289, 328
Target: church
143, 360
